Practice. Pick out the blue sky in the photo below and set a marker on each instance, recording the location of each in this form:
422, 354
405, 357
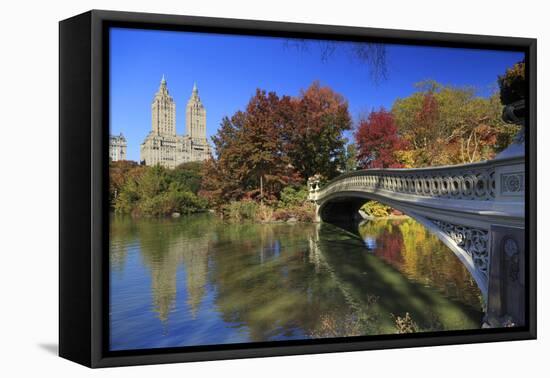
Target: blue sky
228, 69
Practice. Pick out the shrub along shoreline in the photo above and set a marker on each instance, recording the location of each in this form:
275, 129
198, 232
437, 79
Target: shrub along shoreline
293, 206
142, 191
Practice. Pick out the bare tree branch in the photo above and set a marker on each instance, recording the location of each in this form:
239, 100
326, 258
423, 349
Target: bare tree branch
373, 55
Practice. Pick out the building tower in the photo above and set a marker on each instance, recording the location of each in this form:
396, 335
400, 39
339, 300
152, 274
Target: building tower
117, 147
163, 110
195, 117
162, 145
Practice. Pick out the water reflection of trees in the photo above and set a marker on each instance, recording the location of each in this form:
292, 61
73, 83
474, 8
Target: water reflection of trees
364, 276
260, 273
268, 285
412, 249
122, 234
357, 319
277, 281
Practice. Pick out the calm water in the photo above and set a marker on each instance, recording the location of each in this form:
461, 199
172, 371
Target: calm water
198, 281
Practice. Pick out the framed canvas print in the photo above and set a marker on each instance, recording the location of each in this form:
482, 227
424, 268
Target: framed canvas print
233, 188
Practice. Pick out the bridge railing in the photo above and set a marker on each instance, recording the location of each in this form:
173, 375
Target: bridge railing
483, 181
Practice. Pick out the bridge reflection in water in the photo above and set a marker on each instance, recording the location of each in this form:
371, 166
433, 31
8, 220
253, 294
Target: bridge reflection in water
477, 210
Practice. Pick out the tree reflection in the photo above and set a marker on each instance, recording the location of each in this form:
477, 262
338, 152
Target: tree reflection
280, 281
122, 234
363, 277
408, 246
267, 285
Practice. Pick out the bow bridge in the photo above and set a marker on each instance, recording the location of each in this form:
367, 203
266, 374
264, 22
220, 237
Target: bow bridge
477, 210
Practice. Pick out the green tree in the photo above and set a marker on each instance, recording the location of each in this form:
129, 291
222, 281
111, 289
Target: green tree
153, 182
294, 196
129, 196
156, 191
350, 159
189, 174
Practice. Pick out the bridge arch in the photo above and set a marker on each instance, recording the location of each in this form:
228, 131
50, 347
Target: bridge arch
477, 210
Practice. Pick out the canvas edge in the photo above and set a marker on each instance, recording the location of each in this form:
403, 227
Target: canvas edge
94, 325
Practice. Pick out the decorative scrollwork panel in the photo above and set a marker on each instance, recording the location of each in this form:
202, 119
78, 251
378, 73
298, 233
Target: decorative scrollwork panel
475, 241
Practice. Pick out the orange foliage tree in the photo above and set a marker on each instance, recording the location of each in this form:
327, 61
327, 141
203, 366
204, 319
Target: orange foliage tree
277, 141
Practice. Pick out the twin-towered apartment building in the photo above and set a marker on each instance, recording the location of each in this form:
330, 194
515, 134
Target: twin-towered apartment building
162, 145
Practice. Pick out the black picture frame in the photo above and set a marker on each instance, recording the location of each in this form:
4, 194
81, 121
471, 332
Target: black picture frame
83, 180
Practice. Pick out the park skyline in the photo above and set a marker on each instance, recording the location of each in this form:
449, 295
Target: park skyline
229, 69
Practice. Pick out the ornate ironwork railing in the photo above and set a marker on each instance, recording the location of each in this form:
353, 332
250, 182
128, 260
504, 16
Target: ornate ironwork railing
475, 181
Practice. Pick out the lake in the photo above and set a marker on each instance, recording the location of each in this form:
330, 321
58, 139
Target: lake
197, 280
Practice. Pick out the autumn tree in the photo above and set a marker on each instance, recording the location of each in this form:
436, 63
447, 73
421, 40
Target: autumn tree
378, 141
313, 132
277, 141
265, 167
251, 160
451, 125
119, 173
